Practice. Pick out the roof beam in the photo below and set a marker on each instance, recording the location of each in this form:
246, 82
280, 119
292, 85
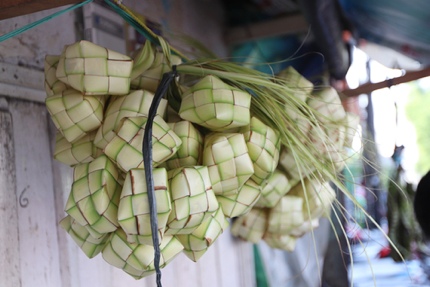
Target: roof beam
14, 8
370, 87
286, 25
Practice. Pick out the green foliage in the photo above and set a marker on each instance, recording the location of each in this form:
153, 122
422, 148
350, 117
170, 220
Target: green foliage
417, 111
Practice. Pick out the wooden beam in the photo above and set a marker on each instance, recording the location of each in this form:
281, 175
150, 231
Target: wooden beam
286, 25
14, 8
370, 87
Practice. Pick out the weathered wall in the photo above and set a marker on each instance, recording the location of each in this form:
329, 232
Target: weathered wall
29, 49
200, 19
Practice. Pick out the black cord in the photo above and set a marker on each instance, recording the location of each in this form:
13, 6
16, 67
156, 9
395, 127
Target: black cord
147, 163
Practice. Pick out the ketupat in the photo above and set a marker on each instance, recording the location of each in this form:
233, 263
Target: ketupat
125, 148
93, 200
133, 208
193, 200
138, 259
237, 204
94, 70
135, 104
239, 157
74, 114
264, 146
213, 104
81, 151
89, 244
191, 150
229, 164
197, 242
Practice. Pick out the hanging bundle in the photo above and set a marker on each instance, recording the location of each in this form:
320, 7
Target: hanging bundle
241, 144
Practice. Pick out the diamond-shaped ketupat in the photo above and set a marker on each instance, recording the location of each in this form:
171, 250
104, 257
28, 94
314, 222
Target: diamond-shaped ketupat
81, 151
94, 70
52, 84
215, 105
279, 241
135, 104
228, 161
197, 243
286, 215
89, 244
264, 144
138, 259
125, 149
251, 226
93, 200
240, 203
190, 152
193, 200
318, 197
74, 114
133, 209
276, 186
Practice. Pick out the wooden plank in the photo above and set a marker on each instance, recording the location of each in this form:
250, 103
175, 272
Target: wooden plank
9, 238
370, 87
22, 83
287, 25
36, 206
13, 8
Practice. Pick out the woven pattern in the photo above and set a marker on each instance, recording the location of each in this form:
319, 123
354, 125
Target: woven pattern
135, 104
90, 245
150, 78
125, 149
81, 151
193, 200
292, 170
133, 209
197, 243
138, 259
278, 241
74, 114
226, 156
251, 226
94, 198
317, 197
191, 150
94, 70
276, 186
215, 105
52, 84
264, 145
240, 203
286, 215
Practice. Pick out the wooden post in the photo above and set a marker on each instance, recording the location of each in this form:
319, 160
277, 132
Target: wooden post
9, 238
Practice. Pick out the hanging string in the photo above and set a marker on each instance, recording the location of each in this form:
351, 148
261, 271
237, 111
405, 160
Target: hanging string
147, 163
41, 21
132, 19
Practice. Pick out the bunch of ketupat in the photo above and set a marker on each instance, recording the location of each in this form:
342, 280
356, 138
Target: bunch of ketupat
218, 157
